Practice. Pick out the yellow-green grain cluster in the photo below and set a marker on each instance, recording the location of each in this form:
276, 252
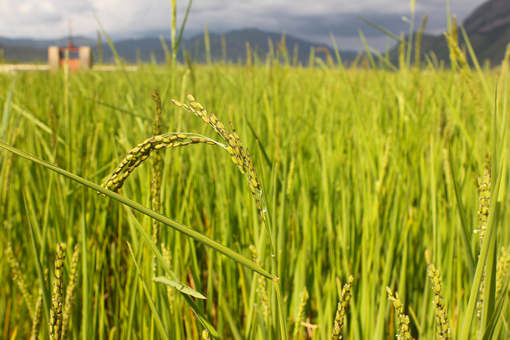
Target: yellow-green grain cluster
205, 335
403, 331
238, 153
70, 295
484, 199
300, 313
443, 329
36, 322
17, 276
342, 308
57, 294
157, 165
263, 298
452, 38
502, 269
142, 151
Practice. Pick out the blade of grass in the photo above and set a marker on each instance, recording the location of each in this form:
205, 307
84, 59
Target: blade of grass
155, 314
84, 271
367, 50
381, 29
7, 110
489, 289
40, 273
34, 120
165, 220
259, 143
113, 107
201, 317
337, 52
474, 59
419, 37
463, 219
173, 280
492, 330
179, 286
228, 315
177, 43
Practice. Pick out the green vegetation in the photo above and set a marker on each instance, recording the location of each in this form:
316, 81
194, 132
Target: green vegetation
399, 179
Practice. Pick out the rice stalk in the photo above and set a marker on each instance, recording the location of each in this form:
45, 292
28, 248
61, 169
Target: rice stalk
261, 288
452, 39
238, 153
242, 159
57, 294
502, 269
403, 331
157, 165
402, 52
419, 38
7, 173
484, 199
66, 316
36, 322
342, 309
167, 256
300, 314
442, 328
164, 45
207, 45
205, 335
53, 123
18, 278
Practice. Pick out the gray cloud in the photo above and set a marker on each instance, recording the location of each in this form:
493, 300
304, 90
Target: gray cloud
310, 19
317, 22
346, 27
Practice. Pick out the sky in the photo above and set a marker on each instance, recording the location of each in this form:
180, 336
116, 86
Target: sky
313, 20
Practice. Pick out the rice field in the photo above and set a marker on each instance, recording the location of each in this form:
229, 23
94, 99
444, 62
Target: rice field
341, 202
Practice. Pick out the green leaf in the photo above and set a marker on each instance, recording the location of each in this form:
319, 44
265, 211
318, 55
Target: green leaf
179, 286
463, 218
159, 323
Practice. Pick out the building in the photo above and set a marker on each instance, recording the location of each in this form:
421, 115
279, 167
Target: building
77, 58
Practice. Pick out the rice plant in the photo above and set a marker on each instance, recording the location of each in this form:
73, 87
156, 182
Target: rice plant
330, 170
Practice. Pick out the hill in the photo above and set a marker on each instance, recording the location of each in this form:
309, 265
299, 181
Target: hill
150, 48
488, 30
235, 42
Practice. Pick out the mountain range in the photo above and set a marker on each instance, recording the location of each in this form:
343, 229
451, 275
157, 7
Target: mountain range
230, 46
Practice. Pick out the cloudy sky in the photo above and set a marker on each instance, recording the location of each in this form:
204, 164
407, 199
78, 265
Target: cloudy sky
310, 19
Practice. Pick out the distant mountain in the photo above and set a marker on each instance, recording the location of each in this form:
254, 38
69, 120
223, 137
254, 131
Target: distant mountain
491, 17
34, 50
230, 46
23, 54
36, 43
232, 50
298, 50
488, 30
